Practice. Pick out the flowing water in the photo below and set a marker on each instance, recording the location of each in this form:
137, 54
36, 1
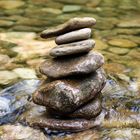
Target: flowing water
21, 51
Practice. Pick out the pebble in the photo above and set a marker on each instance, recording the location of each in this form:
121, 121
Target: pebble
17, 132
78, 65
72, 24
66, 95
7, 77
124, 43
6, 23
120, 51
11, 4
73, 36
100, 45
4, 59
132, 23
71, 8
25, 73
73, 48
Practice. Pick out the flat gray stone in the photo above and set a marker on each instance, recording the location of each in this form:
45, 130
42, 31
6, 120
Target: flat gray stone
71, 25
73, 36
66, 95
69, 66
73, 48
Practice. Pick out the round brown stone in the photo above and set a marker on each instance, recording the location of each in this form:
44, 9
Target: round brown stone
66, 95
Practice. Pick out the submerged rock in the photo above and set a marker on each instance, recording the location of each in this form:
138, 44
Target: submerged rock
37, 116
78, 65
72, 24
73, 36
73, 48
25, 73
18, 132
14, 99
7, 77
124, 43
67, 95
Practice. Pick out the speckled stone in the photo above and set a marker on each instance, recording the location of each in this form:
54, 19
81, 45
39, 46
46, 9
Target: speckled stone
87, 111
66, 95
73, 36
71, 25
38, 117
73, 48
78, 65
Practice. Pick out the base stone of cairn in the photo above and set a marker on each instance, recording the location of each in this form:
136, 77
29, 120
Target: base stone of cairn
71, 93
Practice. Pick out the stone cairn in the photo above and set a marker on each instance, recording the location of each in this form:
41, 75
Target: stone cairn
71, 93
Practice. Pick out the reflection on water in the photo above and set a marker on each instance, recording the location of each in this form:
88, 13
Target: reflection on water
117, 38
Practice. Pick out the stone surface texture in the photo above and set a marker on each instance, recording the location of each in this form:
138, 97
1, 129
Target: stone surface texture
78, 65
73, 48
72, 24
67, 95
73, 36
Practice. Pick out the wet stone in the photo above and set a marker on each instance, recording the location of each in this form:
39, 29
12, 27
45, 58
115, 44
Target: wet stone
124, 43
6, 23
25, 73
132, 23
88, 111
120, 51
78, 65
11, 4
7, 77
17, 131
73, 36
36, 116
73, 48
71, 8
72, 24
65, 96
4, 59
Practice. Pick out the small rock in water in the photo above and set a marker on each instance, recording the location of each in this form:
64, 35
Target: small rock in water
132, 23
4, 59
73, 36
71, 8
73, 48
78, 65
87, 111
117, 50
67, 95
7, 77
72, 24
124, 43
25, 73
18, 132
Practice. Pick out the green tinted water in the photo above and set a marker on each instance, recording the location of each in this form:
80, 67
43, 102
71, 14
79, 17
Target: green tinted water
116, 34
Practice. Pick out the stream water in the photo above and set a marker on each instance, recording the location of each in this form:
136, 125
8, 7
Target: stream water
21, 51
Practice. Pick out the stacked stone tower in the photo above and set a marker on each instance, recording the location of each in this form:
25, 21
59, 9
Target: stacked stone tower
75, 74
